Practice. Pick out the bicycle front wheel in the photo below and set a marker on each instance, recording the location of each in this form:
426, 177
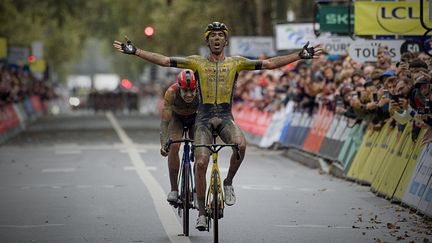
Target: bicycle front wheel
186, 199
215, 208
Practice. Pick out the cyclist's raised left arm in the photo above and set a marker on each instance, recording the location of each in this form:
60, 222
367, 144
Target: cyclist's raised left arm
280, 61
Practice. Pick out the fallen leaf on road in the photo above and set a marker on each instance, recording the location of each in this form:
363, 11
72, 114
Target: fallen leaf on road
400, 238
390, 226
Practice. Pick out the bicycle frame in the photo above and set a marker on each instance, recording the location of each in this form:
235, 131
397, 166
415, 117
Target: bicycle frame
184, 180
185, 167
215, 196
215, 173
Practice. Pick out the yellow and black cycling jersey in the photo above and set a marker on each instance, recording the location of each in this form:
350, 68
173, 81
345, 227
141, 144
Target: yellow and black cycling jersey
216, 80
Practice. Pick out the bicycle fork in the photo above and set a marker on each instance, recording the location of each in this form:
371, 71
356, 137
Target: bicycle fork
215, 174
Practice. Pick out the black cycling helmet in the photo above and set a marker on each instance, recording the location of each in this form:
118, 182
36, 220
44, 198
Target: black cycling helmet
216, 26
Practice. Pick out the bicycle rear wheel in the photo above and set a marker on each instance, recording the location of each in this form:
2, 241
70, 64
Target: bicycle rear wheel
215, 208
186, 199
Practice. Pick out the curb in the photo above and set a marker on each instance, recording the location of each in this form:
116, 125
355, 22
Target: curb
304, 158
315, 162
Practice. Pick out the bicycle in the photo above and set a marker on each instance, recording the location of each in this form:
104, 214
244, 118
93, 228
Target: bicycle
215, 197
185, 180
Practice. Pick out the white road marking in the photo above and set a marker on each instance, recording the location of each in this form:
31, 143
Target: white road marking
67, 148
68, 152
129, 168
29, 226
314, 226
83, 186
166, 214
108, 186
66, 145
152, 168
139, 151
261, 187
61, 186
57, 170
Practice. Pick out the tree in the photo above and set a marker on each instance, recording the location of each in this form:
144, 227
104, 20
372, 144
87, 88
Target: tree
65, 26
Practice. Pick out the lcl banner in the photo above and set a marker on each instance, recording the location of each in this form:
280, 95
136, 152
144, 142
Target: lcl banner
390, 18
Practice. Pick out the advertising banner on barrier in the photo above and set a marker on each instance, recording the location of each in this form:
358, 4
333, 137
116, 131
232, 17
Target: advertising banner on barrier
36, 103
427, 201
367, 50
412, 154
396, 164
390, 18
420, 178
276, 126
251, 46
426, 187
290, 126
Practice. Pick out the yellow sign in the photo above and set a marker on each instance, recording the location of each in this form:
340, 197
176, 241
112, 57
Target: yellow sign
390, 18
38, 66
3, 48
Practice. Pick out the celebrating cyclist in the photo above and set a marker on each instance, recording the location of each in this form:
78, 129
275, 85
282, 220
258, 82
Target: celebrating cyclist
179, 110
217, 76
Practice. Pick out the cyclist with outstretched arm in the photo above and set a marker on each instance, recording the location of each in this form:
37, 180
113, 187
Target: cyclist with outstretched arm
216, 75
178, 111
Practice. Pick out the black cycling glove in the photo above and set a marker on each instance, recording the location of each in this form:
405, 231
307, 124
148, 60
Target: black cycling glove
307, 52
128, 48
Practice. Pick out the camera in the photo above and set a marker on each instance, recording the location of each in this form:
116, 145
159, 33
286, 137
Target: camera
374, 97
339, 101
386, 94
427, 108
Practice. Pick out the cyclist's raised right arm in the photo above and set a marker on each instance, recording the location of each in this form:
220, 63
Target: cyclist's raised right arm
152, 57
156, 58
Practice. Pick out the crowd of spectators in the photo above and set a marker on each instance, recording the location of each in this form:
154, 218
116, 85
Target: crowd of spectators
17, 83
372, 92
116, 102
